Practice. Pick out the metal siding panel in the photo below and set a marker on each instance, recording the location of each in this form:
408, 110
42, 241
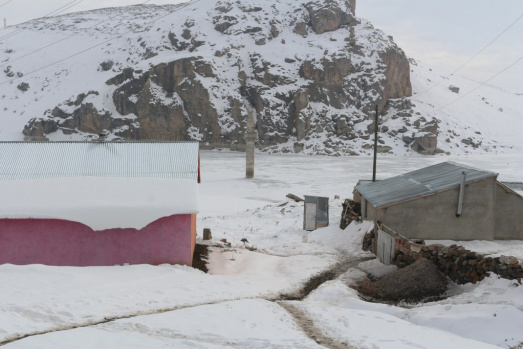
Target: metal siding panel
385, 247
310, 216
322, 210
19, 160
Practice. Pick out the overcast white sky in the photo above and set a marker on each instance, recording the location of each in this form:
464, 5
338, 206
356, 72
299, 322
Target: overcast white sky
443, 34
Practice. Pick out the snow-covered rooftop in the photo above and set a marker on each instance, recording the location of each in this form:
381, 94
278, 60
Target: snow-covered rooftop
102, 185
100, 203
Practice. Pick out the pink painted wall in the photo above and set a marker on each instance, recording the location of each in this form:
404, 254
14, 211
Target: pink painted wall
61, 242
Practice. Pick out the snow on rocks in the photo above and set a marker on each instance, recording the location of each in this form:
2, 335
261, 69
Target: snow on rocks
261, 55
313, 84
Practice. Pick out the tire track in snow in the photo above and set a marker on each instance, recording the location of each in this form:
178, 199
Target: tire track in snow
107, 319
302, 320
312, 331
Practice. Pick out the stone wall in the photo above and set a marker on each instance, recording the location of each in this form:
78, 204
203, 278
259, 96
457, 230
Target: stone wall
459, 264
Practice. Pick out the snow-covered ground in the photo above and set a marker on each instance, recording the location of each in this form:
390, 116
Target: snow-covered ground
142, 306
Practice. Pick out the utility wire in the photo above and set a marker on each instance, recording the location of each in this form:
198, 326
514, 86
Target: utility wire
49, 14
56, 42
483, 83
5, 3
57, 11
490, 43
62, 9
100, 44
474, 56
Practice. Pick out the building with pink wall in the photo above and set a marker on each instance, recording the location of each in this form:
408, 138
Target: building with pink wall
95, 204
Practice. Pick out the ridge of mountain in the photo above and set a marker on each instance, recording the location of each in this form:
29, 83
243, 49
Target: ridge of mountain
312, 71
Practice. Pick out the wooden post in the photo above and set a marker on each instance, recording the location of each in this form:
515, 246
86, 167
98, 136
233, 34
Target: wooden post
375, 145
207, 235
250, 137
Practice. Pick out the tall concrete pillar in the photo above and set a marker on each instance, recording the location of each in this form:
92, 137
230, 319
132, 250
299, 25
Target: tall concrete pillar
250, 138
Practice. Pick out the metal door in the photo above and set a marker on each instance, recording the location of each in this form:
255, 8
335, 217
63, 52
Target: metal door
385, 248
309, 223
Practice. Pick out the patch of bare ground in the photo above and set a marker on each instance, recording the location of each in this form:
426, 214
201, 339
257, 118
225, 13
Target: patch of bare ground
421, 281
305, 322
316, 280
200, 257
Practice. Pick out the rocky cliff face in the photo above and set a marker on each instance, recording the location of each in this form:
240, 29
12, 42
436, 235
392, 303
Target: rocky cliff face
312, 71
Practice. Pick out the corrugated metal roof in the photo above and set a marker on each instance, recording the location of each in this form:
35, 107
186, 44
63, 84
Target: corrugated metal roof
518, 186
26, 160
422, 182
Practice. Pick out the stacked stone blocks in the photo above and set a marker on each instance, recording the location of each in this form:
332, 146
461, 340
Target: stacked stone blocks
459, 264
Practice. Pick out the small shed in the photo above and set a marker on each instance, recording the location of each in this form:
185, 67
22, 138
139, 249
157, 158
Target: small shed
316, 212
98, 203
447, 201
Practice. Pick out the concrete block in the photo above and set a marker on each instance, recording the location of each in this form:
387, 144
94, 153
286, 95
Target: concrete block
207, 235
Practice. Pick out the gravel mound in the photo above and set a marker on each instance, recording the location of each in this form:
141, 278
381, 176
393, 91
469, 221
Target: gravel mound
413, 283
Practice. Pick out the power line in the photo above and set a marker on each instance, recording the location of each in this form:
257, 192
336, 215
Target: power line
57, 11
56, 42
62, 9
474, 56
483, 83
490, 43
100, 44
5, 3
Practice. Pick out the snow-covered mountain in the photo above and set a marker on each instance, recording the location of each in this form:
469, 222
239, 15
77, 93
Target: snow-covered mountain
312, 72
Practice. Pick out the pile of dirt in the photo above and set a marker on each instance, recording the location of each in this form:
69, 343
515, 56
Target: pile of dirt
419, 281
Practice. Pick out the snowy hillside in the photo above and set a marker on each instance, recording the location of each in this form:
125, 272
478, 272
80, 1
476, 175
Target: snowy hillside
312, 72
479, 118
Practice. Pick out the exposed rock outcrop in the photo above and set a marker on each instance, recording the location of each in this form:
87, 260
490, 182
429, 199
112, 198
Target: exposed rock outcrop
423, 135
397, 83
24, 86
79, 116
106, 65
330, 15
307, 96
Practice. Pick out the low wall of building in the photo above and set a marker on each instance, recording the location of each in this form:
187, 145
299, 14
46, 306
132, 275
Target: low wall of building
65, 243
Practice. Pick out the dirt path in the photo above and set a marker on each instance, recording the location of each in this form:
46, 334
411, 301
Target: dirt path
315, 281
312, 331
303, 321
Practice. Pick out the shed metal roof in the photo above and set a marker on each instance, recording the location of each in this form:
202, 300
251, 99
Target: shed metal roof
422, 182
31, 160
517, 186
